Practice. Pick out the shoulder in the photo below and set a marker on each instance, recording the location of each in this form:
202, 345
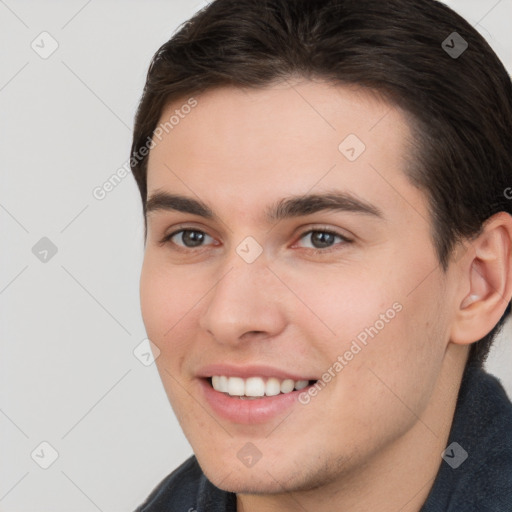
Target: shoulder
479, 474
179, 489
187, 489
485, 423
488, 429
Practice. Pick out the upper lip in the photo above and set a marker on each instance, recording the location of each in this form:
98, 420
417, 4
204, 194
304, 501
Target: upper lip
250, 371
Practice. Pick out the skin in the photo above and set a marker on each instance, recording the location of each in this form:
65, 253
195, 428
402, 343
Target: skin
372, 438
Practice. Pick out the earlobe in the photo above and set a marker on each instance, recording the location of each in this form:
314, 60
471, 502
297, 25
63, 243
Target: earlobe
488, 272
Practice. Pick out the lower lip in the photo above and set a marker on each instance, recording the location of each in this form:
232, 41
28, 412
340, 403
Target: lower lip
248, 412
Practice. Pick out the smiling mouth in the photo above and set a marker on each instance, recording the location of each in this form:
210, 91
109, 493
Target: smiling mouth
253, 388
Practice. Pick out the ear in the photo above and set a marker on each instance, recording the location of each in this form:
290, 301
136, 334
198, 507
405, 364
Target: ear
486, 281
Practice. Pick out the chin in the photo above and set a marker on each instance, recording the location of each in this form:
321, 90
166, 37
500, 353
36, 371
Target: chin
251, 482
265, 477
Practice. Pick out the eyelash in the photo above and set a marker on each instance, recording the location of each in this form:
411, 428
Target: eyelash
167, 239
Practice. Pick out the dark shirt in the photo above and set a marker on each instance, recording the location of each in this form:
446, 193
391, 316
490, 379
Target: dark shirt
475, 474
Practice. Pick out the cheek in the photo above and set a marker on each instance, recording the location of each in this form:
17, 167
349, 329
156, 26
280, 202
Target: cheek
154, 293
341, 302
171, 300
167, 295
401, 362
376, 317
167, 300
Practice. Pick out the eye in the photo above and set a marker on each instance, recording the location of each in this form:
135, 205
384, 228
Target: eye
322, 239
187, 238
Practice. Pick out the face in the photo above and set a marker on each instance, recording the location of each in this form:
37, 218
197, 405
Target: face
297, 251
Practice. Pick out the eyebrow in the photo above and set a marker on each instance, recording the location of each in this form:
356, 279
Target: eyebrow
295, 206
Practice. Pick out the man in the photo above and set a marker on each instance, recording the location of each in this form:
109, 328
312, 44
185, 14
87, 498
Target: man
328, 256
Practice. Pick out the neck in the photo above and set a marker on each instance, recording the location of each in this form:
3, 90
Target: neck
400, 476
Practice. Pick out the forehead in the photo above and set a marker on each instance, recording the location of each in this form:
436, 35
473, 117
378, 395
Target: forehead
240, 149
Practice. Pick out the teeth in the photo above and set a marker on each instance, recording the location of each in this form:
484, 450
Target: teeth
236, 386
272, 387
223, 384
254, 387
220, 383
301, 384
287, 385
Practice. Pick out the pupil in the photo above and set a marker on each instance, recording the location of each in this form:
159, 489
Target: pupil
323, 239
192, 238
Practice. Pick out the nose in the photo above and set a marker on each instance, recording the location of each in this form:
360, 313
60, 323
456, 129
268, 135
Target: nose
245, 303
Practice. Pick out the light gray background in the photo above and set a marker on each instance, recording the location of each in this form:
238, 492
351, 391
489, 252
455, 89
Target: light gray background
69, 326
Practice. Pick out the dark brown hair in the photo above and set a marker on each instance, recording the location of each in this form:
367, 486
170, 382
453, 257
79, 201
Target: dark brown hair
458, 99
